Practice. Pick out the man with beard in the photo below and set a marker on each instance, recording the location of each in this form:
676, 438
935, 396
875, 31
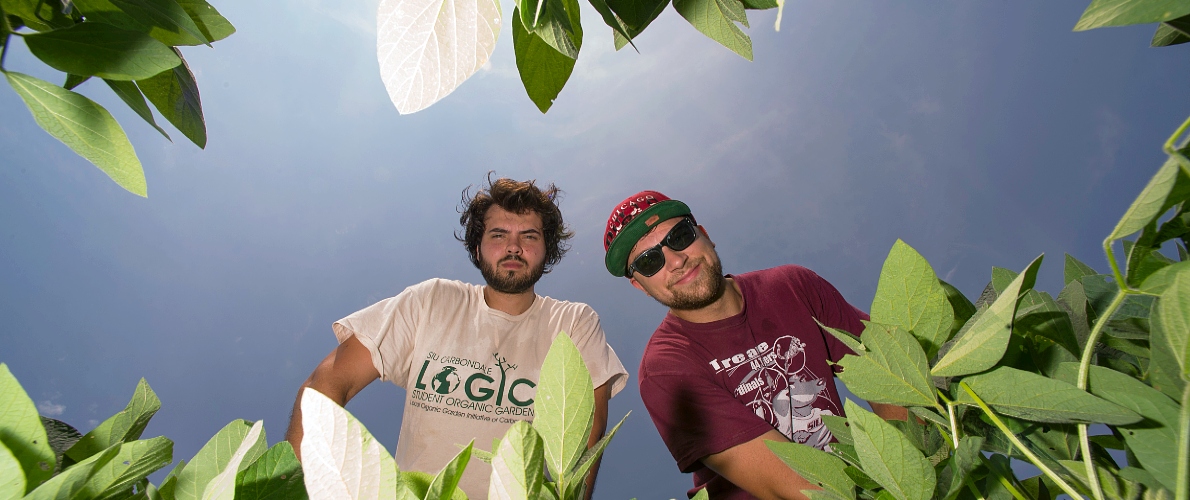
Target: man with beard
467, 355
739, 359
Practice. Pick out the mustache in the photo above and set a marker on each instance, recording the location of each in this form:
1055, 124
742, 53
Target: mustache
681, 273
515, 258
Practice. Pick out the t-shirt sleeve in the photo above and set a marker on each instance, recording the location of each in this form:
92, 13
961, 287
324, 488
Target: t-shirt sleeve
829, 307
386, 329
695, 415
600, 358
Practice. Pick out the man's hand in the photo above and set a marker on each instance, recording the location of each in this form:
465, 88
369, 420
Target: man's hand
340, 376
753, 467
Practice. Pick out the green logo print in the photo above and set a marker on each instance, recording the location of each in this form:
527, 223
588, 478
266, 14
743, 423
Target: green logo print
446, 381
479, 386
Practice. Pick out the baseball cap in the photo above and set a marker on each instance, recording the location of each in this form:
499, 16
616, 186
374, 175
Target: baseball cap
631, 220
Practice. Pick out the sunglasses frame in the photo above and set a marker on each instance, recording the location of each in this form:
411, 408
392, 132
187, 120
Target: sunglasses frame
664, 242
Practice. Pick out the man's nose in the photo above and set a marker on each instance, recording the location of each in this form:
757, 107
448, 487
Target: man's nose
673, 258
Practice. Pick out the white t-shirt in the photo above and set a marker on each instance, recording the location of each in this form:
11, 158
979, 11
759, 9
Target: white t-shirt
469, 371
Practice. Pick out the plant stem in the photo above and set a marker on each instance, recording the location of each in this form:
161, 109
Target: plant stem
1183, 482
954, 423
1084, 369
1017, 442
4, 49
1171, 144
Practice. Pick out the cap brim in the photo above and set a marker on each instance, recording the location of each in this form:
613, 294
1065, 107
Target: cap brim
616, 259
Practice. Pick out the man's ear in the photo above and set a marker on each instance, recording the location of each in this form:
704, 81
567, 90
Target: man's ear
638, 285
703, 230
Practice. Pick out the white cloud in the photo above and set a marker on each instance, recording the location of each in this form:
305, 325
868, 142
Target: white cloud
49, 409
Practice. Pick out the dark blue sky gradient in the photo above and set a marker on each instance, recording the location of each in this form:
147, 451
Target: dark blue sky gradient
982, 135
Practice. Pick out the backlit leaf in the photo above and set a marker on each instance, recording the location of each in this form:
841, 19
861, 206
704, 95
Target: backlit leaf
1103, 13
12, 478
223, 485
127, 425
1037, 398
1170, 34
910, 296
839, 428
84, 126
888, 457
21, 431
592, 454
133, 463
70, 482
894, 370
97, 49
278, 475
713, 18
516, 468
427, 48
340, 459
444, 486
175, 95
37, 14
817, 466
1164, 369
565, 404
984, 343
851, 341
213, 458
555, 22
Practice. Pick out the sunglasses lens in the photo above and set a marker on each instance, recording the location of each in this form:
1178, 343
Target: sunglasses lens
650, 262
682, 235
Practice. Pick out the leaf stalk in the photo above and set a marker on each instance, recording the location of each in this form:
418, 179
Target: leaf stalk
1171, 147
1017, 442
1084, 368
954, 423
1183, 481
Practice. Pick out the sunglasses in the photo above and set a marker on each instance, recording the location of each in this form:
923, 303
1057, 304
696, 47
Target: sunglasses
652, 260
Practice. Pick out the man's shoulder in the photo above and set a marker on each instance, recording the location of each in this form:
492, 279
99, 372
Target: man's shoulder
443, 286
550, 305
787, 271
669, 349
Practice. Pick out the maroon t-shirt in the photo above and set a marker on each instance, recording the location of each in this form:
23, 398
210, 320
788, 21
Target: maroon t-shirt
711, 386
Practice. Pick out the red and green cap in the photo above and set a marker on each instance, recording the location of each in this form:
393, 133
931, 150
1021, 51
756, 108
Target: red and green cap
631, 220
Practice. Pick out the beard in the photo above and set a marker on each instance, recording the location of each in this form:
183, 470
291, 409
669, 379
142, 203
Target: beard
704, 291
508, 281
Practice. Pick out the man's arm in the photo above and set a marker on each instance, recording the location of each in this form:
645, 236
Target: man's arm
340, 376
753, 467
889, 412
598, 426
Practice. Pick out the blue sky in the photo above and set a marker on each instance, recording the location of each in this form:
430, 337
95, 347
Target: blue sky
981, 134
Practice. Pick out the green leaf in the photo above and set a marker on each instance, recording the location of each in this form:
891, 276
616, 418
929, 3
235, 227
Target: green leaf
1102, 13
839, 428
213, 458
37, 14
70, 482
1001, 278
888, 457
164, 20
701, 495
12, 477
619, 30
1037, 398
961, 307
1174, 309
1164, 370
275, 475
964, 460
591, 456
557, 27
21, 431
1168, 187
84, 126
636, 15
713, 18
223, 485
981, 346
1143, 261
909, 295
445, 483
1153, 440
1039, 314
96, 49
760, 4
61, 437
851, 341
132, 96
134, 462
73, 81
1169, 34
175, 95
816, 466
894, 370
544, 70
516, 469
1073, 270
1073, 300
127, 425
208, 20
565, 404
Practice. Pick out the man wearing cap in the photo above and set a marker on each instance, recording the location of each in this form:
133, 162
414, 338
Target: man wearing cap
470, 356
738, 360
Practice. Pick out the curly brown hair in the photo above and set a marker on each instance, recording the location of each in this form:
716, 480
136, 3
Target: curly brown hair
519, 198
